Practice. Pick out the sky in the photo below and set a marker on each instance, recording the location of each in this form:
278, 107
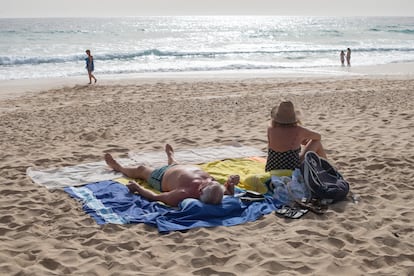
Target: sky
115, 8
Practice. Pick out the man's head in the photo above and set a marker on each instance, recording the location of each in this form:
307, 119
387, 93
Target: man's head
212, 193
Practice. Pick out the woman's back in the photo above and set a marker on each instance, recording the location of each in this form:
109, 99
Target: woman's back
284, 138
284, 147
287, 140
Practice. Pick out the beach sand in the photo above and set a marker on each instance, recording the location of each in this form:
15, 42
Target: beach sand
367, 126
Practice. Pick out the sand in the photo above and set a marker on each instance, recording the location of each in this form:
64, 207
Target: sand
367, 126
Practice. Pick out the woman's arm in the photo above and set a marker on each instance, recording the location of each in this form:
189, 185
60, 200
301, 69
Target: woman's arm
308, 135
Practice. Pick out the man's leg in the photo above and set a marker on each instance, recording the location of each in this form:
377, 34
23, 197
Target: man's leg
170, 154
90, 76
141, 172
93, 77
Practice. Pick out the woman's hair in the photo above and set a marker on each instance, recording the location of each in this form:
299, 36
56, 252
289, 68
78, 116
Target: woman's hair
213, 193
275, 124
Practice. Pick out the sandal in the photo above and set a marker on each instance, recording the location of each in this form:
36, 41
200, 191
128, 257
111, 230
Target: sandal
289, 212
314, 207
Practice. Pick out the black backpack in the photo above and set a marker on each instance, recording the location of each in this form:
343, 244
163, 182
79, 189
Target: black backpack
324, 181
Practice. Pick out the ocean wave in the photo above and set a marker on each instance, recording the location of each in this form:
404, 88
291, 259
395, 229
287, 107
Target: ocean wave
229, 67
384, 49
334, 33
404, 31
7, 61
404, 60
393, 30
49, 32
290, 54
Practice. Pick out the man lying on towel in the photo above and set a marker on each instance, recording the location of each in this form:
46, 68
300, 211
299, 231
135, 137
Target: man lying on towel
175, 182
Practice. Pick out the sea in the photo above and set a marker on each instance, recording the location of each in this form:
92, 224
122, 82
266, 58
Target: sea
33, 48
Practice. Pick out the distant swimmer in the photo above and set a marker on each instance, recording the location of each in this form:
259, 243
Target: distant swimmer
90, 66
348, 57
342, 57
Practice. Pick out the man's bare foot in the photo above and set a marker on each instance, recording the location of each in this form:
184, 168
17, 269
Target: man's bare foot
110, 161
169, 149
170, 154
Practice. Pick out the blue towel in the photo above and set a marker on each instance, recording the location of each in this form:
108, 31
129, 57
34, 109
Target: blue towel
111, 202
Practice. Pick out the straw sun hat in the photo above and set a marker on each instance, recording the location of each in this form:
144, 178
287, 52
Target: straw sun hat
285, 113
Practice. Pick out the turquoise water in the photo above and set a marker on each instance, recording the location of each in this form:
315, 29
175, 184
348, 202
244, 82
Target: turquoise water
55, 47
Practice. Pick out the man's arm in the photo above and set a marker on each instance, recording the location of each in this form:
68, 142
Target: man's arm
172, 198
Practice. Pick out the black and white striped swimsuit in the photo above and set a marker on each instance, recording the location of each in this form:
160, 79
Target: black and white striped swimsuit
287, 160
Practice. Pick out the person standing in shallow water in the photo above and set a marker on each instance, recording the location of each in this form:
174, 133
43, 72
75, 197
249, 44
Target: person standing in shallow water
342, 58
90, 66
348, 57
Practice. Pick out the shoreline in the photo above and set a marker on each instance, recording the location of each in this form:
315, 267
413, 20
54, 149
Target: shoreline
15, 88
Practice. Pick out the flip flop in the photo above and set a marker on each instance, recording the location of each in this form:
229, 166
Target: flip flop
317, 209
282, 210
289, 212
250, 196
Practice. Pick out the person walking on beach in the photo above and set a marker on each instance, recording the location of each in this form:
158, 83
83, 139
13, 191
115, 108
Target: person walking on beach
90, 66
348, 57
342, 58
175, 182
288, 141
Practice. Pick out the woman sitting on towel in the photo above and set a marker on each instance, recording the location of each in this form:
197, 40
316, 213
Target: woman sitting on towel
288, 141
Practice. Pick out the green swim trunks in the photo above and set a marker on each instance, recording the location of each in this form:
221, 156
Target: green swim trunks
156, 176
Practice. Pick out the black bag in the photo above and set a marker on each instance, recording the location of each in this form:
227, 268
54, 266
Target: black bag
324, 181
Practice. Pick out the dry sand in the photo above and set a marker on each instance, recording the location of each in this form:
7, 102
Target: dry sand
367, 126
